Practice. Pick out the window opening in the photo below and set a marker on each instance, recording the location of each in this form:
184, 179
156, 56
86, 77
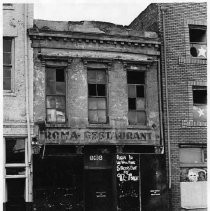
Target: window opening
199, 103
198, 41
56, 95
136, 98
7, 63
97, 96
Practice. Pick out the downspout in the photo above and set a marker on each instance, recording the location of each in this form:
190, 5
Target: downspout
26, 66
160, 105
167, 107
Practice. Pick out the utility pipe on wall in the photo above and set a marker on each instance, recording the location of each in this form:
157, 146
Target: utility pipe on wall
167, 107
26, 68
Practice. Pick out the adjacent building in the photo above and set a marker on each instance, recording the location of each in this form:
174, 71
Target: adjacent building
99, 138
18, 106
182, 28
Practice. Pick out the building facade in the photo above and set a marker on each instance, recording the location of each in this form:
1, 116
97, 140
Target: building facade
99, 138
182, 28
17, 106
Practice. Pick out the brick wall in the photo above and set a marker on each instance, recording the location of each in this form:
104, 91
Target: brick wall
183, 71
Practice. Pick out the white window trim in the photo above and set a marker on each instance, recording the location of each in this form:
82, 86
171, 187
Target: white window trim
13, 165
12, 91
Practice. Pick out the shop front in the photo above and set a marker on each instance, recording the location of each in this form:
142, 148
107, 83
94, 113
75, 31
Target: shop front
98, 176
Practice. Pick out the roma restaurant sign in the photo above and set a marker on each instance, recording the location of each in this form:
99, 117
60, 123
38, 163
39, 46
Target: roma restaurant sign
68, 135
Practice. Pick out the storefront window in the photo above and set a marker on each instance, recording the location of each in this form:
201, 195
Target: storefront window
15, 173
193, 177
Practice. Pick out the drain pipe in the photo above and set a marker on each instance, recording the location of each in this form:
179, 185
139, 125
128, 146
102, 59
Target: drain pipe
167, 107
26, 66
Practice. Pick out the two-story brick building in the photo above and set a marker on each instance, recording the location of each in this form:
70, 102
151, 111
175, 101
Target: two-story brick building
182, 31
98, 118
17, 106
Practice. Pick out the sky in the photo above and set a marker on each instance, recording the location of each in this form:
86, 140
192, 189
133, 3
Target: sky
119, 12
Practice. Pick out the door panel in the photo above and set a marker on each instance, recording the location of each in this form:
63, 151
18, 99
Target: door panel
98, 190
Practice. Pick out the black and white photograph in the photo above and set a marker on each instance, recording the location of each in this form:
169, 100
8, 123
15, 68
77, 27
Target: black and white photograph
104, 105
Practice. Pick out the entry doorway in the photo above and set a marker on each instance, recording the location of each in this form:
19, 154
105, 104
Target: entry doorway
99, 190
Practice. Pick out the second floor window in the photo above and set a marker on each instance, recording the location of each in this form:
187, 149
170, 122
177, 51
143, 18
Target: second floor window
97, 96
198, 41
136, 98
55, 95
7, 63
200, 103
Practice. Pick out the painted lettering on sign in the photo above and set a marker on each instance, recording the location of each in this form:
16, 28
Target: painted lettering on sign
127, 168
62, 136
96, 157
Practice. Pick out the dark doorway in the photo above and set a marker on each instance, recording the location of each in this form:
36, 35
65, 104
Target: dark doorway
58, 183
99, 190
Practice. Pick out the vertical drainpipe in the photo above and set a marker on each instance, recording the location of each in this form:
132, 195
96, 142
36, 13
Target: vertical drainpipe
26, 67
167, 107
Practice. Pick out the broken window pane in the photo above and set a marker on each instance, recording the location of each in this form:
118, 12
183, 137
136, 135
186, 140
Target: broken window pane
15, 171
92, 90
200, 96
134, 77
140, 104
15, 151
60, 102
60, 114
190, 155
132, 91
93, 116
140, 91
15, 190
91, 76
141, 117
51, 102
101, 77
101, 103
60, 88
132, 103
51, 115
101, 116
92, 103
132, 118
101, 90
60, 77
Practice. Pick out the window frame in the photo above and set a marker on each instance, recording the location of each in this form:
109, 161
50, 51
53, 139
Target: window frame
145, 100
192, 44
54, 68
16, 165
105, 69
12, 79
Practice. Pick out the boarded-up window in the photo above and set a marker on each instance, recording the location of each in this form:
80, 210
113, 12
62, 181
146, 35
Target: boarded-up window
56, 95
136, 98
7, 63
97, 96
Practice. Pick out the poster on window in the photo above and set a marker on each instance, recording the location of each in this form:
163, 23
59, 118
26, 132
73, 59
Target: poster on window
127, 172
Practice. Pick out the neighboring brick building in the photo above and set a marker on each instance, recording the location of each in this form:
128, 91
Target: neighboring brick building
96, 107
17, 105
182, 30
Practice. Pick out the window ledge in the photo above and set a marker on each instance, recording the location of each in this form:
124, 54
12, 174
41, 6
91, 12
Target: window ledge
139, 127
9, 93
99, 126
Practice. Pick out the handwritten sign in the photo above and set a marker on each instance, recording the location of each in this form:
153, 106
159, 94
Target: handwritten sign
127, 168
67, 135
127, 172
